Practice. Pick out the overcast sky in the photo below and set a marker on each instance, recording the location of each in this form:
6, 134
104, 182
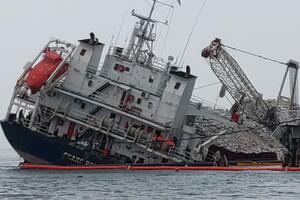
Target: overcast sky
267, 27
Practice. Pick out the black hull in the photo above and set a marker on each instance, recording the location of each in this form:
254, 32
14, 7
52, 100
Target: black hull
42, 149
37, 148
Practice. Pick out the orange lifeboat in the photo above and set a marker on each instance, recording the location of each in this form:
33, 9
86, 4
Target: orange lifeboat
40, 73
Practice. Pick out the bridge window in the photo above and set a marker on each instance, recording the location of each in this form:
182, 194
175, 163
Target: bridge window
90, 83
177, 86
119, 68
151, 79
139, 101
82, 52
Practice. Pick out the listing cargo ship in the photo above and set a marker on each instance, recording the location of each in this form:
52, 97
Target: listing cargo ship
138, 109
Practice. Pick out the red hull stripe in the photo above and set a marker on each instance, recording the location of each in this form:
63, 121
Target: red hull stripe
175, 168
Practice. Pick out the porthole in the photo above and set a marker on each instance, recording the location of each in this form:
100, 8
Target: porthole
177, 86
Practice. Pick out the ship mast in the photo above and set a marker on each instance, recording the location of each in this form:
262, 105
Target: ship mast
142, 39
143, 35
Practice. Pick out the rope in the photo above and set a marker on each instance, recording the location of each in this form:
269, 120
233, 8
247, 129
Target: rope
228, 100
190, 36
255, 55
208, 103
204, 86
123, 21
169, 18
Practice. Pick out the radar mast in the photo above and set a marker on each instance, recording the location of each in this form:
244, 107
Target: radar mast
140, 48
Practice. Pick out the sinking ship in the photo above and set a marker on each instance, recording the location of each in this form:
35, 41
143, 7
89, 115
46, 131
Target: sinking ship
135, 108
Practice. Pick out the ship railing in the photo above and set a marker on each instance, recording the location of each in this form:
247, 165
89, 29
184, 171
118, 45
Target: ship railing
114, 129
157, 62
48, 111
207, 103
85, 117
41, 127
97, 122
120, 52
289, 117
111, 127
181, 153
151, 115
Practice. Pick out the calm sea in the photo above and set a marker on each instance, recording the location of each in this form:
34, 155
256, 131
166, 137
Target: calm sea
36, 184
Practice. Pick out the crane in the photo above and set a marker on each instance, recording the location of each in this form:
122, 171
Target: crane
247, 99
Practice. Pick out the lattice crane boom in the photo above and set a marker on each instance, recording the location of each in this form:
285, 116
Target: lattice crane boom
235, 81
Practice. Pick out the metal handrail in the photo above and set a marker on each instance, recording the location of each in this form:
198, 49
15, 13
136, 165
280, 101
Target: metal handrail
207, 103
157, 63
180, 153
40, 127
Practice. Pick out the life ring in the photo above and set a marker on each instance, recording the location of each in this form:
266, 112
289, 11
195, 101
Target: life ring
128, 102
130, 98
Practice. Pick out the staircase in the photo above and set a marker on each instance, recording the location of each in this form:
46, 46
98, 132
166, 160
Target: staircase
96, 110
103, 85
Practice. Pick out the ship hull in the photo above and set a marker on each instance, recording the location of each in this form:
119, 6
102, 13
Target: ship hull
37, 148
42, 149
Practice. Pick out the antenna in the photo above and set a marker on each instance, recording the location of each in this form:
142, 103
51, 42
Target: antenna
169, 18
123, 21
141, 43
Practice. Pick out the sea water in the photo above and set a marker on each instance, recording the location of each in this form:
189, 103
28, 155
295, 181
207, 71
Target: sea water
42, 184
